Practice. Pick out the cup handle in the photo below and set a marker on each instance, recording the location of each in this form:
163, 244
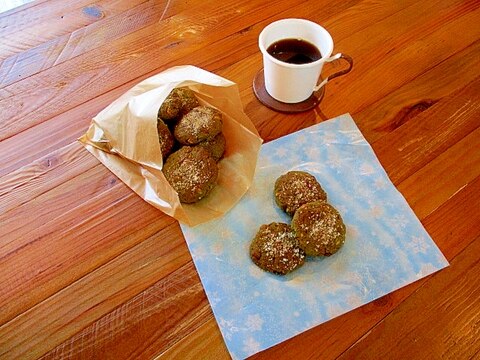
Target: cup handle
339, 73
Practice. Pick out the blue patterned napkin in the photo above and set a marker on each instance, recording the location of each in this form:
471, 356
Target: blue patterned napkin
386, 245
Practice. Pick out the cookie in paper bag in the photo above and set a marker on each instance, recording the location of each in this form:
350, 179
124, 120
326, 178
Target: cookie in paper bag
215, 146
171, 107
188, 99
179, 102
199, 124
165, 138
192, 172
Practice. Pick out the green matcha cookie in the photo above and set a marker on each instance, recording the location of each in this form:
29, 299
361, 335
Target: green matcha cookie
187, 97
199, 124
275, 249
192, 172
215, 146
171, 107
296, 188
319, 228
165, 138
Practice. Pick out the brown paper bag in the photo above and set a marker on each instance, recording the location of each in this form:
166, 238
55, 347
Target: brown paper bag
124, 138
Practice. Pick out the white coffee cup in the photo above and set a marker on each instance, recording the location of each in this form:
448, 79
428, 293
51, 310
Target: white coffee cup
294, 83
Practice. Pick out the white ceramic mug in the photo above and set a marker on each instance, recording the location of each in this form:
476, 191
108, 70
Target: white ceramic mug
294, 83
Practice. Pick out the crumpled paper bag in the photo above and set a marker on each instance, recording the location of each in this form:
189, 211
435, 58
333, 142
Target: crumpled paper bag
124, 138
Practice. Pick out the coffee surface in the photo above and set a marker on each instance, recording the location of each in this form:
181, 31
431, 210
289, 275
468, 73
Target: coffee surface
294, 51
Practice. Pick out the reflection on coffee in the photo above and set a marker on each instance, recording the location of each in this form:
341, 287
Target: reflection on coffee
294, 51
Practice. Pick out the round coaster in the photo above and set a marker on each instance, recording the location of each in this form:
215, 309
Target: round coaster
264, 97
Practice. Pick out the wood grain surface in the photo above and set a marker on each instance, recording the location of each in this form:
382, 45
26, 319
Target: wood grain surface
91, 271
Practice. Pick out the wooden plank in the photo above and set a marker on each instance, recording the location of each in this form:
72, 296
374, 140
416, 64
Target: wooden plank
51, 22
439, 321
454, 225
431, 132
81, 239
44, 174
418, 95
155, 317
18, 224
59, 317
441, 178
452, 203
49, 136
69, 45
198, 347
10, 13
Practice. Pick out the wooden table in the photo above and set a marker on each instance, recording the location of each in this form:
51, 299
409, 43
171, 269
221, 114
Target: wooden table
89, 270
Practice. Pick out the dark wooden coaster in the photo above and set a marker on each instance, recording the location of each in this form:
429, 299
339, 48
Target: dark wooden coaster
264, 97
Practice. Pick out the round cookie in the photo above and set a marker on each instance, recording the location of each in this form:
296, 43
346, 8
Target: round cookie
215, 146
199, 124
165, 138
275, 249
319, 228
171, 107
296, 188
192, 172
187, 97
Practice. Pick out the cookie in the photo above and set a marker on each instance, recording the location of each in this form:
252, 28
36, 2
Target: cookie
215, 146
275, 249
296, 188
199, 124
192, 172
319, 228
165, 138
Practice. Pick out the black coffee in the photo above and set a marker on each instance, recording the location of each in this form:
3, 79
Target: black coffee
294, 51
